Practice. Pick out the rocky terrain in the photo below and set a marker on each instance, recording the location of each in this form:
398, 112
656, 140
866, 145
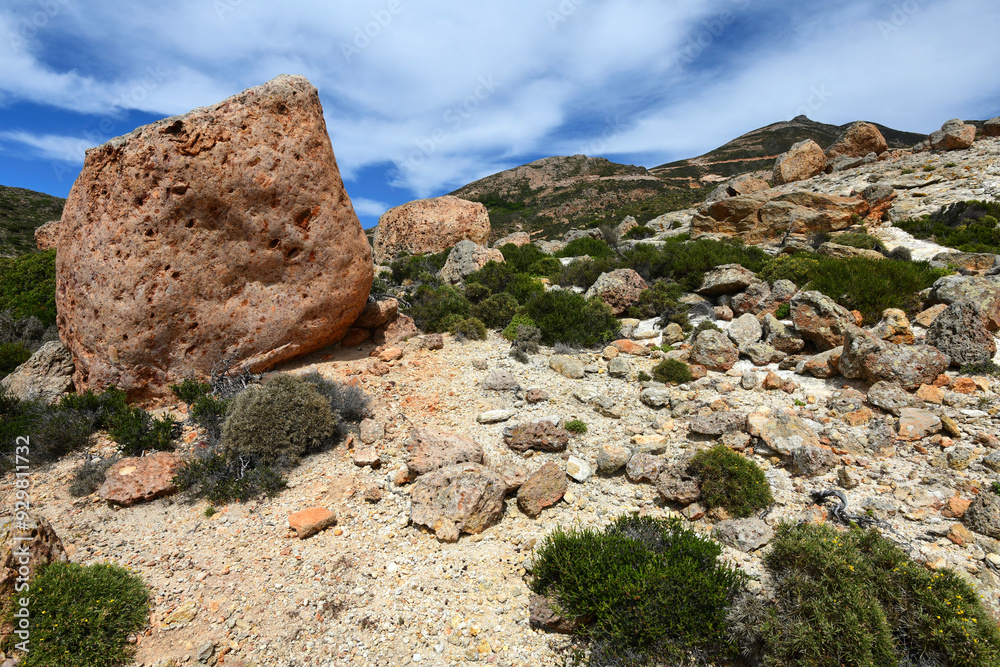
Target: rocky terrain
411, 542
21, 212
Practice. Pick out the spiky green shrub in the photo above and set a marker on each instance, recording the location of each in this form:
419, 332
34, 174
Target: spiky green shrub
519, 320
649, 586
800, 268
586, 245
28, 286
568, 317
190, 390
89, 476
731, 481
135, 431
421, 269
220, 480
672, 371
547, 266
523, 257
584, 272
854, 598
499, 277
278, 422
82, 616
497, 311
348, 401
661, 300
430, 306
525, 343
476, 292
685, 262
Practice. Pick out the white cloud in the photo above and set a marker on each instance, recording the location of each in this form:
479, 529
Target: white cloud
369, 207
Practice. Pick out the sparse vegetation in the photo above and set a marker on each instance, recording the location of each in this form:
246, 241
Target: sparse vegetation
639, 233
731, 481
651, 588
89, 476
783, 311
855, 598
969, 226
576, 426
82, 616
672, 371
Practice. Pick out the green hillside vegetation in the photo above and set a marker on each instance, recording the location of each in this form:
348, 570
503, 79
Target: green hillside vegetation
21, 213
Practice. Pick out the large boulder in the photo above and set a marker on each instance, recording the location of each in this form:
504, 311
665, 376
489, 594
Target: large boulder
225, 232
960, 332
726, 278
991, 128
820, 319
465, 259
619, 289
975, 263
429, 225
870, 358
779, 336
46, 375
713, 350
953, 135
858, 140
516, 238
140, 479
741, 185
460, 498
984, 291
803, 160
429, 449
46, 235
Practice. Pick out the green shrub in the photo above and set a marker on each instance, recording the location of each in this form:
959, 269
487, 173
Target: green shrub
661, 300
859, 240
521, 258
421, 269
348, 401
570, 318
89, 476
901, 254
278, 422
547, 266
651, 586
28, 286
134, 431
968, 226
640, 232
855, 598
470, 328
732, 481
584, 272
783, 311
54, 431
12, 355
220, 480
519, 320
209, 412
190, 390
686, 262
431, 305
586, 245
576, 426
643, 376
525, 343
103, 406
497, 311
82, 616
704, 325
800, 268
476, 292
503, 278
672, 371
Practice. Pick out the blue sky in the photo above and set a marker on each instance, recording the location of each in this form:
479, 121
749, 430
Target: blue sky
422, 98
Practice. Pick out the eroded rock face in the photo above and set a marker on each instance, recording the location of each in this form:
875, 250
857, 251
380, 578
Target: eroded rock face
803, 160
223, 231
960, 332
858, 140
984, 291
46, 375
430, 449
430, 225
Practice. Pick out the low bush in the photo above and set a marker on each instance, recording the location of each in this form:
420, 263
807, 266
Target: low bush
190, 390
522, 258
704, 325
901, 254
783, 311
430, 306
135, 431
468, 328
82, 616
12, 355
89, 476
220, 479
731, 481
419, 269
348, 401
855, 598
576, 426
586, 245
476, 292
570, 318
519, 320
653, 589
278, 422
969, 226
643, 376
639, 233
661, 300
672, 371
497, 311
500, 278
800, 268
686, 262
584, 272
547, 266
28, 286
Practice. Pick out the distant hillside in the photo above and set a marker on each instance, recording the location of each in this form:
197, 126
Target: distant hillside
553, 195
21, 213
758, 149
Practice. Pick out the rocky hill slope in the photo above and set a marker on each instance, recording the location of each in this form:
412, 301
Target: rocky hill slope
21, 213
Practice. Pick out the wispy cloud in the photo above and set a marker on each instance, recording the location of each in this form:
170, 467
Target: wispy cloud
369, 207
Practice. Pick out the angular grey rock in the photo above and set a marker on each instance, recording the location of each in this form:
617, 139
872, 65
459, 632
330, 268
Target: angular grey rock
745, 330
819, 319
612, 458
891, 397
578, 469
983, 515
749, 380
46, 375
466, 258
779, 336
619, 367
461, 498
743, 534
782, 432
811, 461
991, 128
953, 135
644, 468
846, 400
499, 380
718, 423
960, 332
726, 278
495, 416
430, 449
984, 291
677, 487
655, 397
762, 354
566, 366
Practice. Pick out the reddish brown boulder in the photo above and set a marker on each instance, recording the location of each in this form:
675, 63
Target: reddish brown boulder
820, 319
541, 436
953, 135
543, 489
858, 140
396, 330
140, 479
619, 289
517, 238
713, 350
430, 225
461, 498
803, 160
430, 449
45, 236
311, 520
225, 231
377, 313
